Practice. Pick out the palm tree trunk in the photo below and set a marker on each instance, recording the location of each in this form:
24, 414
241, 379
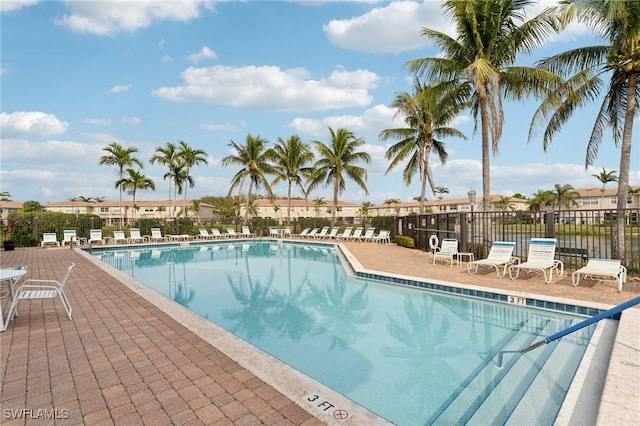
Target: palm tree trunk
486, 183
289, 204
625, 160
335, 202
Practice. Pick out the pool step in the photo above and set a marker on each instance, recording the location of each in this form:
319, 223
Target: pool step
499, 387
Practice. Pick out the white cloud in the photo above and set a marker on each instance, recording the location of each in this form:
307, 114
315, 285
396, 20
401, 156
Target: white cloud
393, 28
166, 58
367, 125
120, 88
98, 121
225, 127
112, 17
204, 53
271, 88
49, 153
131, 121
4, 70
11, 5
32, 124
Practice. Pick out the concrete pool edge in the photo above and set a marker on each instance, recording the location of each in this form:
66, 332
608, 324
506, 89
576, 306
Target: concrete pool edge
292, 383
619, 403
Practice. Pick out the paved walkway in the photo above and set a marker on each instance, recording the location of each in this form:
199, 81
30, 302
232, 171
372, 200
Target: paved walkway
123, 361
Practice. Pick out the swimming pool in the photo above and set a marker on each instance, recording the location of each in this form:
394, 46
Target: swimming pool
412, 356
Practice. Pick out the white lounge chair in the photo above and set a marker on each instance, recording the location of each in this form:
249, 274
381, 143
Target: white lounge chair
602, 269
49, 238
69, 236
367, 236
134, 235
333, 233
382, 237
119, 237
246, 232
302, 234
312, 233
345, 234
156, 235
448, 250
322, 233
33, 289
215, 233
500, 256
231, 233
541, 257
286, 232
95, 236
204, 234
356, 233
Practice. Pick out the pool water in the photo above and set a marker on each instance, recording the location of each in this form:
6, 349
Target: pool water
409, 355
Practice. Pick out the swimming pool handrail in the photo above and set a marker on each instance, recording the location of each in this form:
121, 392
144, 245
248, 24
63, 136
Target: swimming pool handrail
602, 315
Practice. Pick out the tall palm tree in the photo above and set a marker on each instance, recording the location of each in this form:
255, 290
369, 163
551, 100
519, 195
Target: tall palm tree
441, 190
181, 180
364, 210
135, 181
490, 35
505, 203
427, 112
338, 158
118, 155
167, 156
291, 157
540, 198
254, 158
618, 23
563, 195
190, 157
604, 177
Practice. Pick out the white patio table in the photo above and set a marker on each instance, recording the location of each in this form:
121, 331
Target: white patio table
9, 277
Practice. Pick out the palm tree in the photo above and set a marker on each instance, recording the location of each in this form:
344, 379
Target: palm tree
337, 159
254, 159
540, 198
118, 155
364, 210
617, 22
291, 157
441, 190
317, 203
167, 156
135, 181
182, 179
488, 42
5, 196
563, 195
190, 157
605, 177
505, 203
396, 204
427, 112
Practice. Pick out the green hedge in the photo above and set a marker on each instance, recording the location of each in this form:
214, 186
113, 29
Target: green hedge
404, 241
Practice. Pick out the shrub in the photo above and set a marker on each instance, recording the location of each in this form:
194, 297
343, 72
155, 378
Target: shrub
405, 241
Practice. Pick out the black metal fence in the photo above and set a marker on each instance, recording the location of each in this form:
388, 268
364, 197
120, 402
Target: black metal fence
581, 234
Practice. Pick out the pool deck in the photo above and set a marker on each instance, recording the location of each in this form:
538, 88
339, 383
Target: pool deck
123, 360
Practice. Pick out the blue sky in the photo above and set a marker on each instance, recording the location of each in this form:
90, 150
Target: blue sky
79, 75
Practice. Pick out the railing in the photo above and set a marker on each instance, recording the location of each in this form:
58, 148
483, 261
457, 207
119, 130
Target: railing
594, 319
581, 234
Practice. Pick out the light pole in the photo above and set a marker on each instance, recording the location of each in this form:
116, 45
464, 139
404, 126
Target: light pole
472, 199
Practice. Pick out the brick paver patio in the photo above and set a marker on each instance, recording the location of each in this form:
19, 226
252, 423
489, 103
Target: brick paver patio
123, 361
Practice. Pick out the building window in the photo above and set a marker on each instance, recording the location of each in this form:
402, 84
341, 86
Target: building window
613, 200
149, 209
590, 201
104, 209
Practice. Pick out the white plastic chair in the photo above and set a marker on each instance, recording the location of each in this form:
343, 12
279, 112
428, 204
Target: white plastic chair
382, 237
345, 234
156, 235
602, 269
500, 255
49, 238
134, 235
119, 237
246, 232
541, 257
215, 233
36, 289
69, 236
356, 233
367, 236
95, 236
448, 250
